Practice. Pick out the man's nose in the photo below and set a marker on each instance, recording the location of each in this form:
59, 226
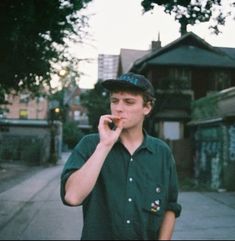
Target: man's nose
119, 107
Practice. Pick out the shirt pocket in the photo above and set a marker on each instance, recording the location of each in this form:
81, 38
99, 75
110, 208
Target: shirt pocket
154, 206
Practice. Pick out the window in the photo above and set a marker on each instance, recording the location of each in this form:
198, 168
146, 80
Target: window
222, 80
24, 98
40, 99
77, 100
180, 78
23, 114
171, 130
77, 115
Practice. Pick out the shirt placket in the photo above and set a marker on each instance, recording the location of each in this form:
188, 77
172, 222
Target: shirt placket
129, 210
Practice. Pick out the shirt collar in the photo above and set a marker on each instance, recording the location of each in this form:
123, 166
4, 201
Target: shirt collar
147, 143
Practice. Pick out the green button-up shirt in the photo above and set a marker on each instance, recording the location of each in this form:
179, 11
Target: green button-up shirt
132, 192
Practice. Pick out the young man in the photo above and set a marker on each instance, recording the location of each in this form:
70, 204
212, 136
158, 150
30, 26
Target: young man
125, 179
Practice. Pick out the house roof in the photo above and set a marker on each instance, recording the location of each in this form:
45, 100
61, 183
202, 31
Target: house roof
129, 56
189, 55
189, 50
229, 51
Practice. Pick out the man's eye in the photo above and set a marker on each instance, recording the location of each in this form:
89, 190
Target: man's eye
130, 102
114, 101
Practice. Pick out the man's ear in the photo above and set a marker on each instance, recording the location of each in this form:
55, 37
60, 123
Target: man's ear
148, 108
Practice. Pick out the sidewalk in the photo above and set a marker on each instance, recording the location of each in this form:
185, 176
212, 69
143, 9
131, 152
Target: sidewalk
12, 173
206, 216
32, 210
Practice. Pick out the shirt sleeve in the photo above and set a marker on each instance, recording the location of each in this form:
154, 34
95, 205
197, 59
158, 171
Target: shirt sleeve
76, 160
173, 204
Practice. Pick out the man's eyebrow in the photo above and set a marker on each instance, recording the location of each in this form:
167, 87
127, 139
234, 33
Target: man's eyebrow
129, 98
125, 98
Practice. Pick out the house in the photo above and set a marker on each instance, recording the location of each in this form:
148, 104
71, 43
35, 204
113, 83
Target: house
185, 70
76, 112
24, 106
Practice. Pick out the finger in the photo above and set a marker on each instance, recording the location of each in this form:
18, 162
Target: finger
105, 119
108, 119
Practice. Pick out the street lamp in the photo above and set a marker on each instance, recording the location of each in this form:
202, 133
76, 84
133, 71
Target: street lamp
57, 110
53, 109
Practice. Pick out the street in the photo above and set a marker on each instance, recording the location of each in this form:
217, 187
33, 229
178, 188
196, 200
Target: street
32, 210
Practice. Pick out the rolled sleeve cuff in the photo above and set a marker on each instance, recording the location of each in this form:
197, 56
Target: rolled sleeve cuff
64, 178
174, 207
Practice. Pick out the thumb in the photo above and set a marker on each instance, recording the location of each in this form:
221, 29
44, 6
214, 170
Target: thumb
119, 127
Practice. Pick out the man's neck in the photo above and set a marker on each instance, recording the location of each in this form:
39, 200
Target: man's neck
132, 139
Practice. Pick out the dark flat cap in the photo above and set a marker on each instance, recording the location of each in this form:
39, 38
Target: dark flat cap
131, 81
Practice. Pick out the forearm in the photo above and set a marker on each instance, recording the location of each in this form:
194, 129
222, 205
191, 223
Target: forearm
80, 183
167, 227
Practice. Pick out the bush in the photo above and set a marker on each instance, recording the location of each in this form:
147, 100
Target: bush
71, 134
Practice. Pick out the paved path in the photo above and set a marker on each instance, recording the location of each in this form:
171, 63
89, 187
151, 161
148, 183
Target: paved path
206, 216
32, 210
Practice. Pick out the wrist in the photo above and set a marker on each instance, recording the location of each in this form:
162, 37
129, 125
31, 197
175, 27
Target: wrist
105, 146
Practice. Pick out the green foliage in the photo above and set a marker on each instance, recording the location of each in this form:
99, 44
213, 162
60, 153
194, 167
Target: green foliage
205, 108
97, 103
63, 109
32, 38
71, 134
192, 12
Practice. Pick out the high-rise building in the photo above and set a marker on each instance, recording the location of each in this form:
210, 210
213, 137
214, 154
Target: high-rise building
107, 66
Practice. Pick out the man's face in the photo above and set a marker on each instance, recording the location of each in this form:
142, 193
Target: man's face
129, 107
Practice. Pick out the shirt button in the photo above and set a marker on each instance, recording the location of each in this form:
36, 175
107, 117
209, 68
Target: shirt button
128, 221
129, 200
131, 179
132, 160
158, 189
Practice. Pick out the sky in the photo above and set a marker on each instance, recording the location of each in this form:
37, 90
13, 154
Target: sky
116, 24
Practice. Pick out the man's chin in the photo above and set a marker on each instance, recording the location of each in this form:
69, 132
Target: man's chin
126, 127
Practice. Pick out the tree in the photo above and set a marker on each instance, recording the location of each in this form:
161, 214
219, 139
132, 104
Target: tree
33, 34
71, 134
96, 102
190, 12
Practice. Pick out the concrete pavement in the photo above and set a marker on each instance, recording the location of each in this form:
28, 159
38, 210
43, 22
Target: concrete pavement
206, 216
32, 210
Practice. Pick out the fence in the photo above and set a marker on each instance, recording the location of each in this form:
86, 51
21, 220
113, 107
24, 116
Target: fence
29, 149
215, 155
30, 141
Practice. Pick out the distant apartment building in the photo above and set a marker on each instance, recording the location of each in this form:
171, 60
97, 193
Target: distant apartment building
23, 106
107, 66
